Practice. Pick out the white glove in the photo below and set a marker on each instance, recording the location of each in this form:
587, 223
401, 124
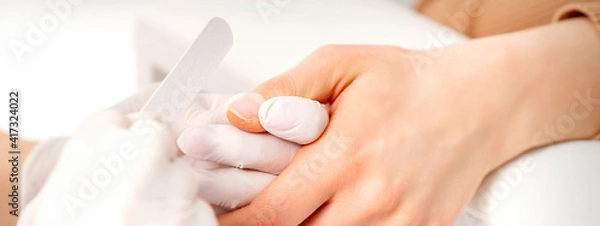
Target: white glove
111, 173
235, 166
220, 153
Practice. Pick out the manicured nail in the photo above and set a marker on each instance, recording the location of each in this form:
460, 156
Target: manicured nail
246, 107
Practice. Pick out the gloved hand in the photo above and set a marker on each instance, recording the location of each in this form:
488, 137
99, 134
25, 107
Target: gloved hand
235, 166
224, 150
113, 173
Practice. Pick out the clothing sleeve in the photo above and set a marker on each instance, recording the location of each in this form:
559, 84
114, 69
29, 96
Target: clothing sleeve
590, 10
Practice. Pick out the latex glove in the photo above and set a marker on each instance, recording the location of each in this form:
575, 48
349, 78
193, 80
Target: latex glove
291, 118
235, 166
114, 173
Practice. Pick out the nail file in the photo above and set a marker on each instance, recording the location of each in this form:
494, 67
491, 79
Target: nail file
185, 80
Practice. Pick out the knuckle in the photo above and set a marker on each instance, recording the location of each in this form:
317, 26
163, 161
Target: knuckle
383, 201
266, 216
269, 212
278, 86
331, 54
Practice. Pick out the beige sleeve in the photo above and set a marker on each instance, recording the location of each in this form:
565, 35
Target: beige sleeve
590, 10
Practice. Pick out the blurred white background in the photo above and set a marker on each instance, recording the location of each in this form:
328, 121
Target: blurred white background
70, 58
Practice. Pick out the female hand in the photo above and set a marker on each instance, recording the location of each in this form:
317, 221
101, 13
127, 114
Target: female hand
412, 134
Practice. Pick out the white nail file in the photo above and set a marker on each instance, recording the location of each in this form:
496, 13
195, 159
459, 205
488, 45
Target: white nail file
185, 80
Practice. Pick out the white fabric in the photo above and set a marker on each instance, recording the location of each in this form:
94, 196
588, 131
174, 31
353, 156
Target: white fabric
409, 3
555, 185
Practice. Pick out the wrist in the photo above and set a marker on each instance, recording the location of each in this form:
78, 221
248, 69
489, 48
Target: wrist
528, 89
558, 69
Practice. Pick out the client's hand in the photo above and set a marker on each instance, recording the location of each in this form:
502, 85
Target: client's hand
117, 172
413, 133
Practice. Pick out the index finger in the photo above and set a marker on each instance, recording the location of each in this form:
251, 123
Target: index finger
296, 193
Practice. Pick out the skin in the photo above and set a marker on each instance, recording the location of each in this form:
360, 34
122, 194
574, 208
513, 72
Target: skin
5, 169
412, 134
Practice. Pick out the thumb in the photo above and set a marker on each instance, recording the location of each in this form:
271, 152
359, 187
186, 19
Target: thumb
321, 76
292, 118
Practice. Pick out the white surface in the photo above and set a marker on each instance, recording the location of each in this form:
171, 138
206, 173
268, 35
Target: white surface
87, 61
266, 46
557, 185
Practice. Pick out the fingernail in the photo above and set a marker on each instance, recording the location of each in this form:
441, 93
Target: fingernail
246, 107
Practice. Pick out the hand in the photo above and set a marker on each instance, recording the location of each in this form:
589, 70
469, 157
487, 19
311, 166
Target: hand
412, 134
114, 173
234, 165
377, 162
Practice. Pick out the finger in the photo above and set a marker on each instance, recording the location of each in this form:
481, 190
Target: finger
296, 193
227, 145
201, 214
348, 209
232, 187
321, 76
98, 127
168, 194
199, 165
292, 118
27, 217
220, 209
154, 136
207, 108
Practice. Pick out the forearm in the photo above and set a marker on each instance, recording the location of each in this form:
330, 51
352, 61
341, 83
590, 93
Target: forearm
558, 69
534, 86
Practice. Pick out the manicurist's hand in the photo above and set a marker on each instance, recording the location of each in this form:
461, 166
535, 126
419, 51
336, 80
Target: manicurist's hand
114, 171
412, 134
233, 166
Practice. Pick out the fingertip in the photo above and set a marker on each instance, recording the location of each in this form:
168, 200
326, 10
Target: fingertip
196, 141
293, 118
